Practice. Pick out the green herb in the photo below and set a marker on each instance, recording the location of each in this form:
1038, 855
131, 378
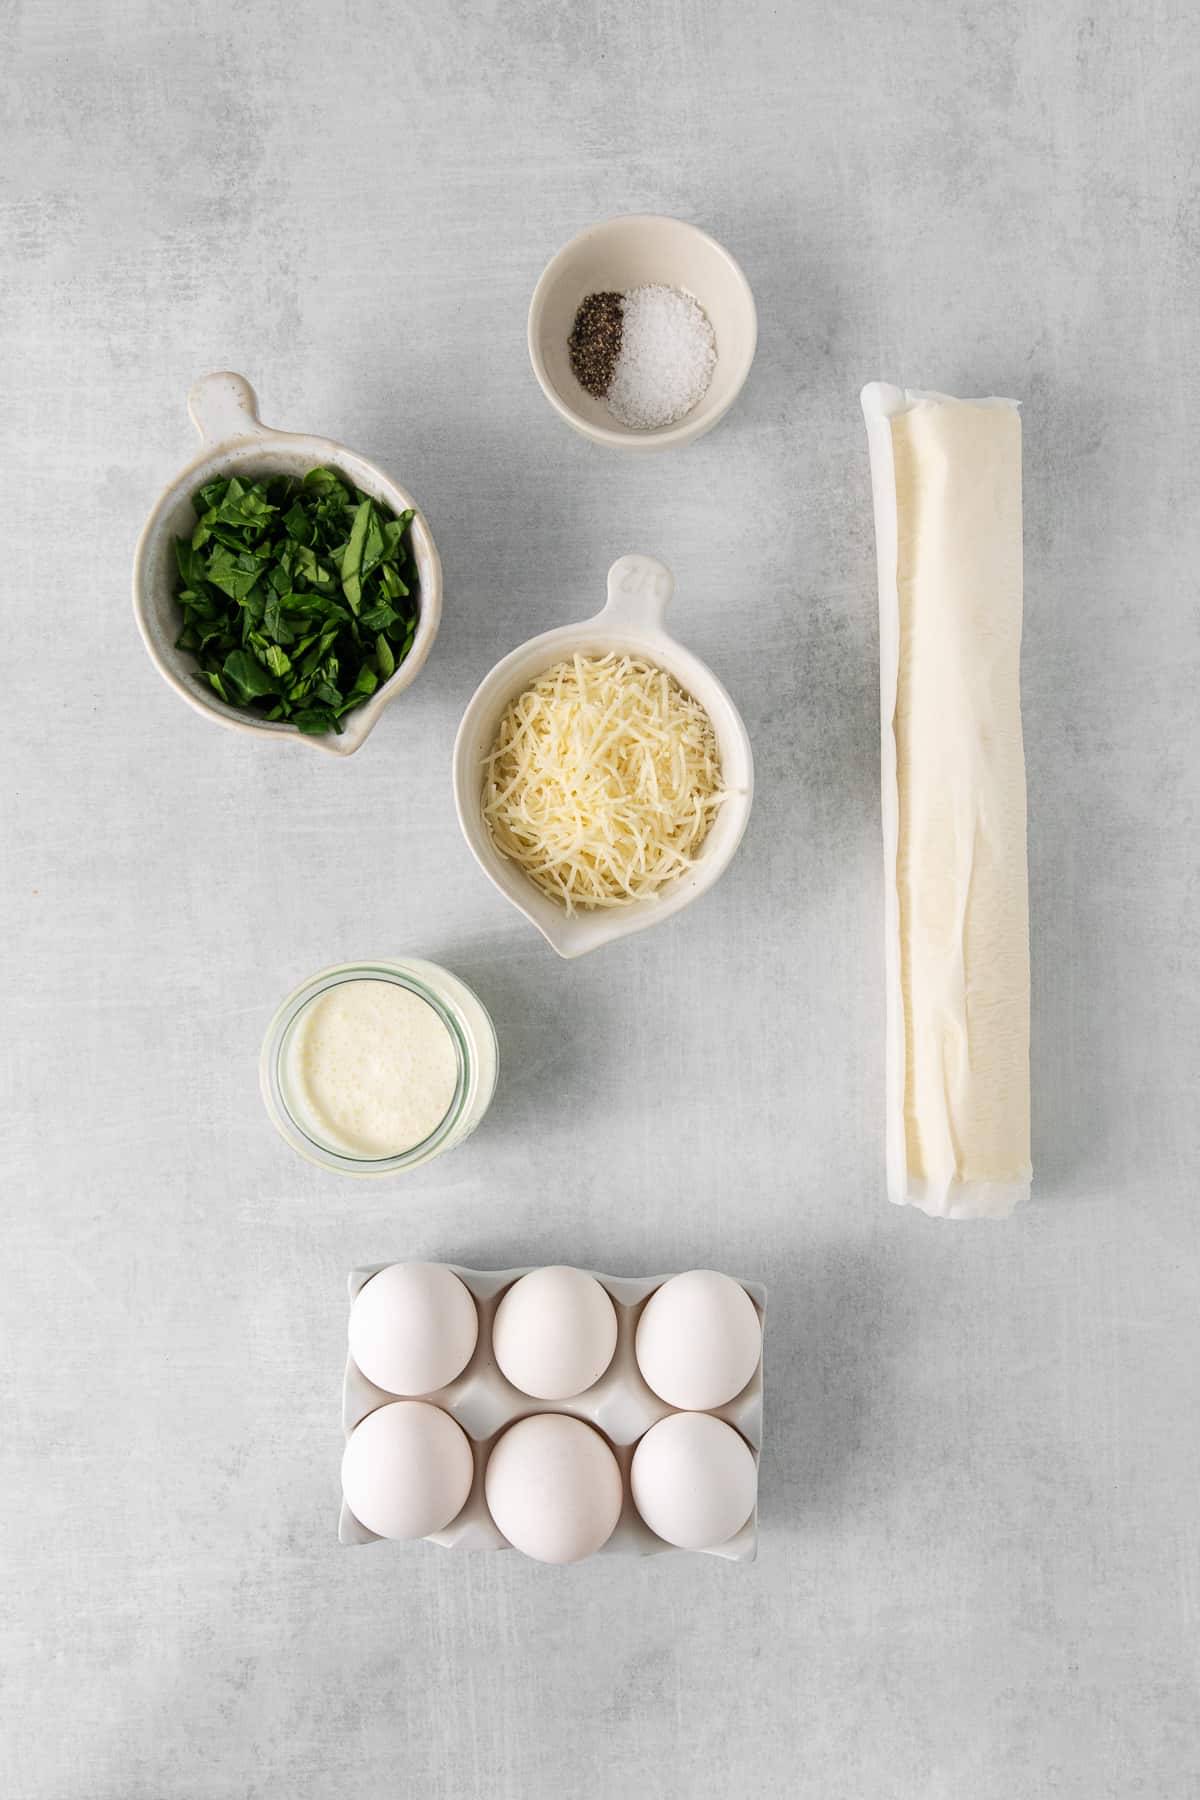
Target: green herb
298, 597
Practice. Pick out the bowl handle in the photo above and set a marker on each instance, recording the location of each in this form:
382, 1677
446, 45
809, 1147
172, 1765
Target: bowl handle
639, 591
224, 406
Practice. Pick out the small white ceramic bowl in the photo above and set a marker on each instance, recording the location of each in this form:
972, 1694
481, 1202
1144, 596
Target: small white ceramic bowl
639, 590
630, 252
224, 411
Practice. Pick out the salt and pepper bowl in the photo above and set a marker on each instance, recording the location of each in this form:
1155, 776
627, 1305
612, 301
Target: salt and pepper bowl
640, 250
235, 441
632, 622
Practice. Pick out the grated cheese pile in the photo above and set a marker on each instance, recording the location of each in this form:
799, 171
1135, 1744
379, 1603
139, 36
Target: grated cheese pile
603, 781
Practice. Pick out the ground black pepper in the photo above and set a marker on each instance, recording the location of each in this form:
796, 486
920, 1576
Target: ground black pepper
595, 342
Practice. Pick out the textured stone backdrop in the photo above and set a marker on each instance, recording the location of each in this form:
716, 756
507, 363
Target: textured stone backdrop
979, 1576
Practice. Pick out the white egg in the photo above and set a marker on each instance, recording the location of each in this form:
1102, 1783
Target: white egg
694, 1480
554, 1333
553, 1487
698, 1340
407, 1469
413, 1328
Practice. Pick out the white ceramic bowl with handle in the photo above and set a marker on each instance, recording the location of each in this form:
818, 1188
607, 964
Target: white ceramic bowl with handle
639, 591
234, 441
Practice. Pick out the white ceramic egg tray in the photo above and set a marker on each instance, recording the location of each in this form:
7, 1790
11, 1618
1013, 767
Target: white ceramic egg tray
619, 1405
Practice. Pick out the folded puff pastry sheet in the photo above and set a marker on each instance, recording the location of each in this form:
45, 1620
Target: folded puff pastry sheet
946, 476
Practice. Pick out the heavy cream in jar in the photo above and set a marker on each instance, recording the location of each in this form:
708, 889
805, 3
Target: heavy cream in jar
374, 1068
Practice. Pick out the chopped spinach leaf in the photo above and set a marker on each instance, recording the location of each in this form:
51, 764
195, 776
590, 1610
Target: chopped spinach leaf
298, 598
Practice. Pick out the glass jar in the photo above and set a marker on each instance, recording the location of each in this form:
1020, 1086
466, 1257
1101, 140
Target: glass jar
472, 1036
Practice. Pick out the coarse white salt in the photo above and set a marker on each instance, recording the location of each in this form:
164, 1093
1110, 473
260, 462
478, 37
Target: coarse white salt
666, 361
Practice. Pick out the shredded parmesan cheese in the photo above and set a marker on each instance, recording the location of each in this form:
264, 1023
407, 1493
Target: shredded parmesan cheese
603, 781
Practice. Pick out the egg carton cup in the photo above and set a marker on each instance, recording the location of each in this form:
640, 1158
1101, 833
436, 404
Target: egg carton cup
620, 1405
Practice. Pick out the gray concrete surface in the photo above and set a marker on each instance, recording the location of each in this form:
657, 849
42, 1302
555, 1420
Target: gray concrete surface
979, 1576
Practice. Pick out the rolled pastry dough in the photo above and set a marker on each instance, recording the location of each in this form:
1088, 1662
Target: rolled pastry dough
946, 476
